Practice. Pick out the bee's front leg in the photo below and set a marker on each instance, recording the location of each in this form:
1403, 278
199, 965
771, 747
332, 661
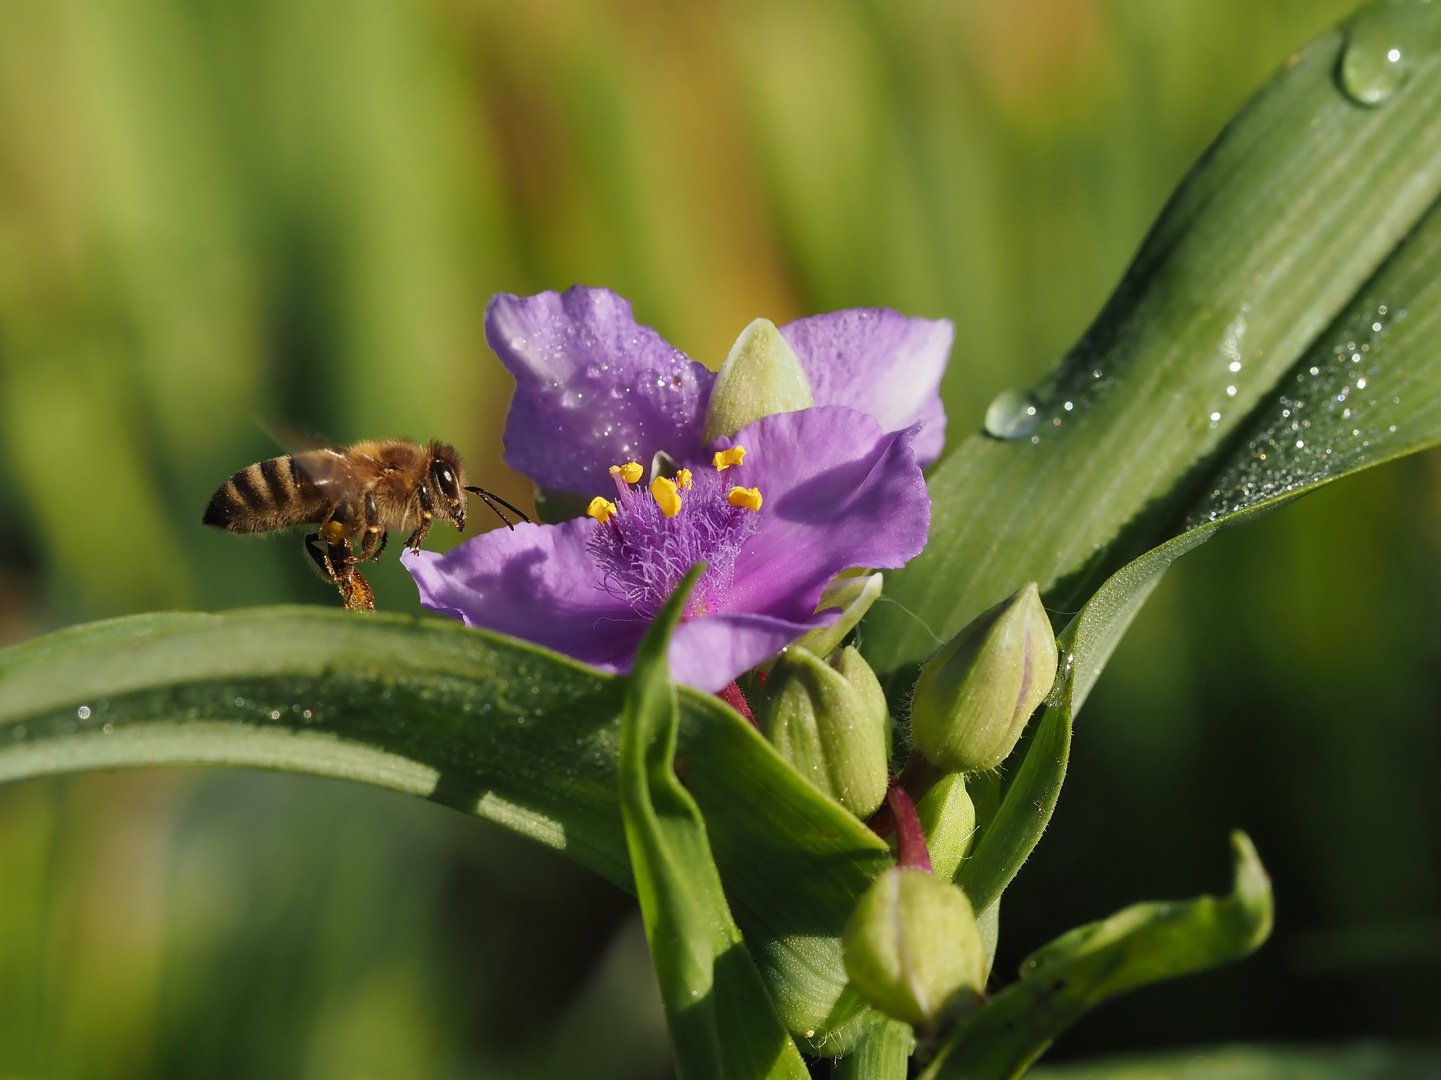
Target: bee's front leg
418, 537
384, 536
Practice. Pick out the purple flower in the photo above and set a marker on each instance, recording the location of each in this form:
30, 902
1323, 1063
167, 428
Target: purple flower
818, 491
594, 387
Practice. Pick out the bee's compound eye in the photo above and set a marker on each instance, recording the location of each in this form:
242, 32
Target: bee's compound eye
446, 481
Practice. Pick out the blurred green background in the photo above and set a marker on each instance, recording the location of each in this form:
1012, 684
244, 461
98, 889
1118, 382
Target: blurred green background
296, 209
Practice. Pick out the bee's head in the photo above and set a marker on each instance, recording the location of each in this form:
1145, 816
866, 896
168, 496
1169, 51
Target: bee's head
447, 479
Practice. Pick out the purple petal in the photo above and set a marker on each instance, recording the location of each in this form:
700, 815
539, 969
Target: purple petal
838, 492
594, 388
711, 651
882, 363
538, 583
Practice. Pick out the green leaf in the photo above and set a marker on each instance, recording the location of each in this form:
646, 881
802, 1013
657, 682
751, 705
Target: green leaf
1367, 392
482, 723
1370, 1061
723, 1026
1274, 232
1340, 426
1142, 944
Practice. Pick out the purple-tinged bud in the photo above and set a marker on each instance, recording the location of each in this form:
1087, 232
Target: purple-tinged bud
829, 721
912, 945
973, 698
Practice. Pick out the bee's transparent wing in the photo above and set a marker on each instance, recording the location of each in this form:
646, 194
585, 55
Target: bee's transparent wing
291, 440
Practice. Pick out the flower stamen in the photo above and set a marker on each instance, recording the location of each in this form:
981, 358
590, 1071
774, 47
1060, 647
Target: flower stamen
749, 498
724, 459
601, 509
683, 479
630, 472
664, 493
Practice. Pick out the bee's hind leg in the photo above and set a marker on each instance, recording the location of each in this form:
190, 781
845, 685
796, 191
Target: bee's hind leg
356, 591
337, 566
320, 555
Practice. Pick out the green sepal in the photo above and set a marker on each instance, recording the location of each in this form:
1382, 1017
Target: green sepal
883, 1053
854, 595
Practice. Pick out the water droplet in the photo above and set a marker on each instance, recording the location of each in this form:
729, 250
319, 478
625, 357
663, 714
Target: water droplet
1230, 391
1012, 415
83, 712
518, 344
1382, 43
1215, 417
108, 729
1235, 365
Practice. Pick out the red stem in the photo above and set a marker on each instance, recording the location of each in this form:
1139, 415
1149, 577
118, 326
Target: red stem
911, 850
733, 697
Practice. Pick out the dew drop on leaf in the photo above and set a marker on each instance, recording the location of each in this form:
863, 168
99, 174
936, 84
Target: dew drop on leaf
1382, 46
1013, 414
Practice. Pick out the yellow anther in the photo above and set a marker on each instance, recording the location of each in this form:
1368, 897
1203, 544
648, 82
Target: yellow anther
665, 496
600, 509
630, 472
682, 479
724, 459
750, 498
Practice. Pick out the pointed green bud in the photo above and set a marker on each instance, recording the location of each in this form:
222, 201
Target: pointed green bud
974, 697
760, 377
948, 815
831, 726
854, 596
912, 945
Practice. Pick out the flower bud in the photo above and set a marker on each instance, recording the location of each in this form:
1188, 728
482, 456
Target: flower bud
974, 697
831, 725
760, 377
912, 945
854, 595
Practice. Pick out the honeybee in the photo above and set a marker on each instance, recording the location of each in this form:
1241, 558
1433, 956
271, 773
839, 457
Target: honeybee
355, 495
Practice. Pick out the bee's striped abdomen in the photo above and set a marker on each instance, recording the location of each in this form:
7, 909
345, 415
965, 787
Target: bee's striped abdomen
271, 494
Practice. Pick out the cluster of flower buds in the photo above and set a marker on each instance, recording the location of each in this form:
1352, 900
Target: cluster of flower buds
912, 947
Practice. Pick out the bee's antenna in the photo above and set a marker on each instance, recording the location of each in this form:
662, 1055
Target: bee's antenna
490, 499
